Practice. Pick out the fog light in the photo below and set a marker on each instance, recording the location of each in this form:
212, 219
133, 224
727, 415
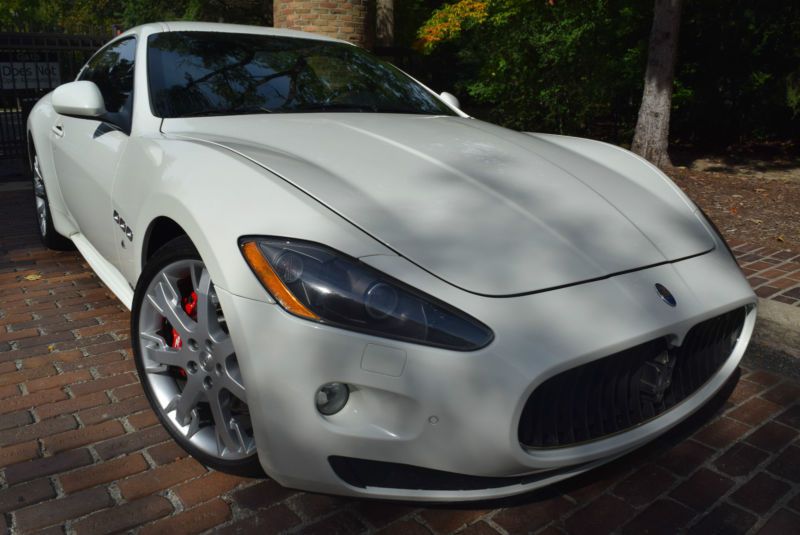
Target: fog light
332, 397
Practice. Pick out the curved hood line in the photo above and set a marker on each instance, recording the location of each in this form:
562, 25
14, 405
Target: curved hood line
490, 211
481, 186
552, 162
389, 246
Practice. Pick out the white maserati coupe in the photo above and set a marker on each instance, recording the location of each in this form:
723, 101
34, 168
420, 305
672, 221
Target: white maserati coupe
339, 278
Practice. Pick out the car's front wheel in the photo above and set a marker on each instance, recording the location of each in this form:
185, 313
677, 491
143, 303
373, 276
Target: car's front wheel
187, 363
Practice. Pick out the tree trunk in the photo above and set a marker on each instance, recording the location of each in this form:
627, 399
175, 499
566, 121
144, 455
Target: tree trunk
384, 22
652, 127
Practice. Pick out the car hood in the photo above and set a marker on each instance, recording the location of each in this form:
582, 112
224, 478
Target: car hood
489, 210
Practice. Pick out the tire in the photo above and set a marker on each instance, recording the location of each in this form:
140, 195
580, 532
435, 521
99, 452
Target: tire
44, 218
186, 362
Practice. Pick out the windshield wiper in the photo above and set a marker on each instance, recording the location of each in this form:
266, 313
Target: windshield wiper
243, 110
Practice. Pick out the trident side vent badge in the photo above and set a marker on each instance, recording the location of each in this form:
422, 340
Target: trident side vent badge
666, 295
123, 226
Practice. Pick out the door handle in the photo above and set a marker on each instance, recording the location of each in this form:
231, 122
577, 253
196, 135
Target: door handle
58, 130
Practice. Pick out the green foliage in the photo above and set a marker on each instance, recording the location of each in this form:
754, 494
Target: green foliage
74, 16
741, 60
409, 17
99, 17
448, 22
577, 66
558, 66
793, 93
142, 11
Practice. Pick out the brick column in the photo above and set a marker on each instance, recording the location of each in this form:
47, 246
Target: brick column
343, 19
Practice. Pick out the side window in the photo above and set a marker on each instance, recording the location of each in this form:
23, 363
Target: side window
112, 70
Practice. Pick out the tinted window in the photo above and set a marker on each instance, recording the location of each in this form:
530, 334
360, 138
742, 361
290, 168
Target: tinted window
211, 73
112, 70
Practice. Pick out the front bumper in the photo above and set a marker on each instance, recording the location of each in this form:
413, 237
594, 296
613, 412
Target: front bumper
459, 411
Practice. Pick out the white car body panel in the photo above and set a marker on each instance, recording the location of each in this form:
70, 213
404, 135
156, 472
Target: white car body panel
104, 269
417, 182
40, 122
86, 158
553, 242
539, 336
192, 192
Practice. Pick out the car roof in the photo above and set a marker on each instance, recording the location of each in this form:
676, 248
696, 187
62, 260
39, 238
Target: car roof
186, 26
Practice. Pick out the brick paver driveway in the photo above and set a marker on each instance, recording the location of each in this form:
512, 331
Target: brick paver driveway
81, 453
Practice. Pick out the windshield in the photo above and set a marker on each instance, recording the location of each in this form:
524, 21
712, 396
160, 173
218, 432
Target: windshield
212, 73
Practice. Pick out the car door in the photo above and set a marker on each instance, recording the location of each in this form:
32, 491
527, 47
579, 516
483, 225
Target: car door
86, 151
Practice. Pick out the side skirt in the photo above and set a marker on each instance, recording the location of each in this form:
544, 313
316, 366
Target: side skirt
110, 275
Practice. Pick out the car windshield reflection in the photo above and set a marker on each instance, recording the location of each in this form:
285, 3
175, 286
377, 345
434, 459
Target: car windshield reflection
193, 74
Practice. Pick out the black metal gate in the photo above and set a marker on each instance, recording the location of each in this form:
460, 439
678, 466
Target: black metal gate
31, 65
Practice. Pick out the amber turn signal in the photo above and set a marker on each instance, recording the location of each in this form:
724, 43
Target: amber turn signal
272, 282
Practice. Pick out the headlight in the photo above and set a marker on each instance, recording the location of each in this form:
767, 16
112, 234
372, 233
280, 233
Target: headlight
317, 283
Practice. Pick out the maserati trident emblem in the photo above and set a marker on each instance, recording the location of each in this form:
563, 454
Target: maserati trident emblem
656, 377
666, 295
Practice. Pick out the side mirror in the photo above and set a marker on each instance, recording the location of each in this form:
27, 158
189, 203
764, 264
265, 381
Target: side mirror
79, 99
450, 99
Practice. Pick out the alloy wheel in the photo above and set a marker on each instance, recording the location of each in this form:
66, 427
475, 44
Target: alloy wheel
190, 364
40, 196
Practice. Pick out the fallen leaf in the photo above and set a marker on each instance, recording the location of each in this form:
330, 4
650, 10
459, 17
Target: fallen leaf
734, 210
51, 348
780, 238
33, 277
756, 221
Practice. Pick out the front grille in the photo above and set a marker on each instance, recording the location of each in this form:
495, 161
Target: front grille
621, 391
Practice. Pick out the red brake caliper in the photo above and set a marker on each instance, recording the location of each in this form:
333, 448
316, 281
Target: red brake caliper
190, 307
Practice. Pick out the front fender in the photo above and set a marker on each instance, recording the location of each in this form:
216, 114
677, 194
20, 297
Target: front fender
217, 196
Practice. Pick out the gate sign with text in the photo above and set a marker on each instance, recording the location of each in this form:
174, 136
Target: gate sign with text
29, 75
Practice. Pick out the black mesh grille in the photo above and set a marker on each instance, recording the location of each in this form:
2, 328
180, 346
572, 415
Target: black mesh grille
628, 388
